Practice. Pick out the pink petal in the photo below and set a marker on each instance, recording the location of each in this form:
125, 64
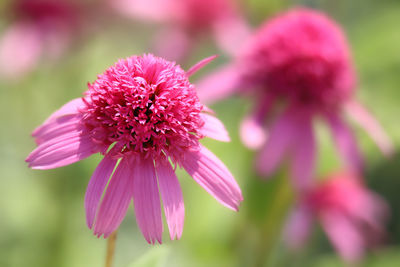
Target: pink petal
211, 174
96, 187
219, 85
172, 198
61, 151
304, 150
70, 108
116, 200
58, 127
345, 142
252, 130
298, 227
371, 126
280, 140
344, 235
147, 200
200, 65
213, 128
20, 49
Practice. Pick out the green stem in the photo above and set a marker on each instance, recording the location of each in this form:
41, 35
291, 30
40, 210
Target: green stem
111, 240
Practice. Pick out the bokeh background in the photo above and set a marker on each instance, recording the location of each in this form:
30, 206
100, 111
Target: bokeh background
42, 220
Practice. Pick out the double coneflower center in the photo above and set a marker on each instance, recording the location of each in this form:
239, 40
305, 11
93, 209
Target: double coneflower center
145, 105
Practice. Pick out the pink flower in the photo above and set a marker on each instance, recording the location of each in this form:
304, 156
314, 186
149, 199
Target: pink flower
352, 216
187, 21
298, 67
143, 115
40, 28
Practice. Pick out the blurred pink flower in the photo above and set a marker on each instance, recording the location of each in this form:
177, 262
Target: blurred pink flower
352, 217
142, 114
301, 59
40, 28
186, 21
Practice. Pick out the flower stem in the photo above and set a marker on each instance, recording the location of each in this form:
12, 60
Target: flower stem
271, 231
111, 240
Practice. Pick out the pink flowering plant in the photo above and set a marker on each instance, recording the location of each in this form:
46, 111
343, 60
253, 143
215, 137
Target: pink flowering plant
352, 216
144, 116
299, 68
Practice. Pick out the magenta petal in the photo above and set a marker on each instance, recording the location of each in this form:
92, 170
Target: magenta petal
147, 200
213, 128
345, 142
252, 132
96, 187
116, 199
200, 65
20, 49
172, 198
371, 126
61, 151
211, 174
298, 227
279, 141
344, 235
304, 150
70, 108
219, 85
57, 127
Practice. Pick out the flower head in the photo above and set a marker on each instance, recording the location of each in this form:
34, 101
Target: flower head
300, 61
301, 56
352, 216
147, 106
140, 113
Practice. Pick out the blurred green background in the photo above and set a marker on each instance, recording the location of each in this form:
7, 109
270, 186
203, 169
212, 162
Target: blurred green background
42, 220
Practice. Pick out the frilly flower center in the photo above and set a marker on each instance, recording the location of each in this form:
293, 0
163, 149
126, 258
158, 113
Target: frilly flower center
144, 105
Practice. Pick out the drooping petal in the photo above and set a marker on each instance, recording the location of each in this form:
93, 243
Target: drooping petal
61, 151
57, 127
209, 172
252, 130
20, 49
116, 199
219, 85
172, 198
343, 234
200, 65
303, 157
298, 227
361, 115
213, 128
96, 187
279, 141
70, 108
147, 200
345, 142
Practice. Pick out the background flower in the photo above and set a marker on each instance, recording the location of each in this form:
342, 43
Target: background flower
351, 216
299, 60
